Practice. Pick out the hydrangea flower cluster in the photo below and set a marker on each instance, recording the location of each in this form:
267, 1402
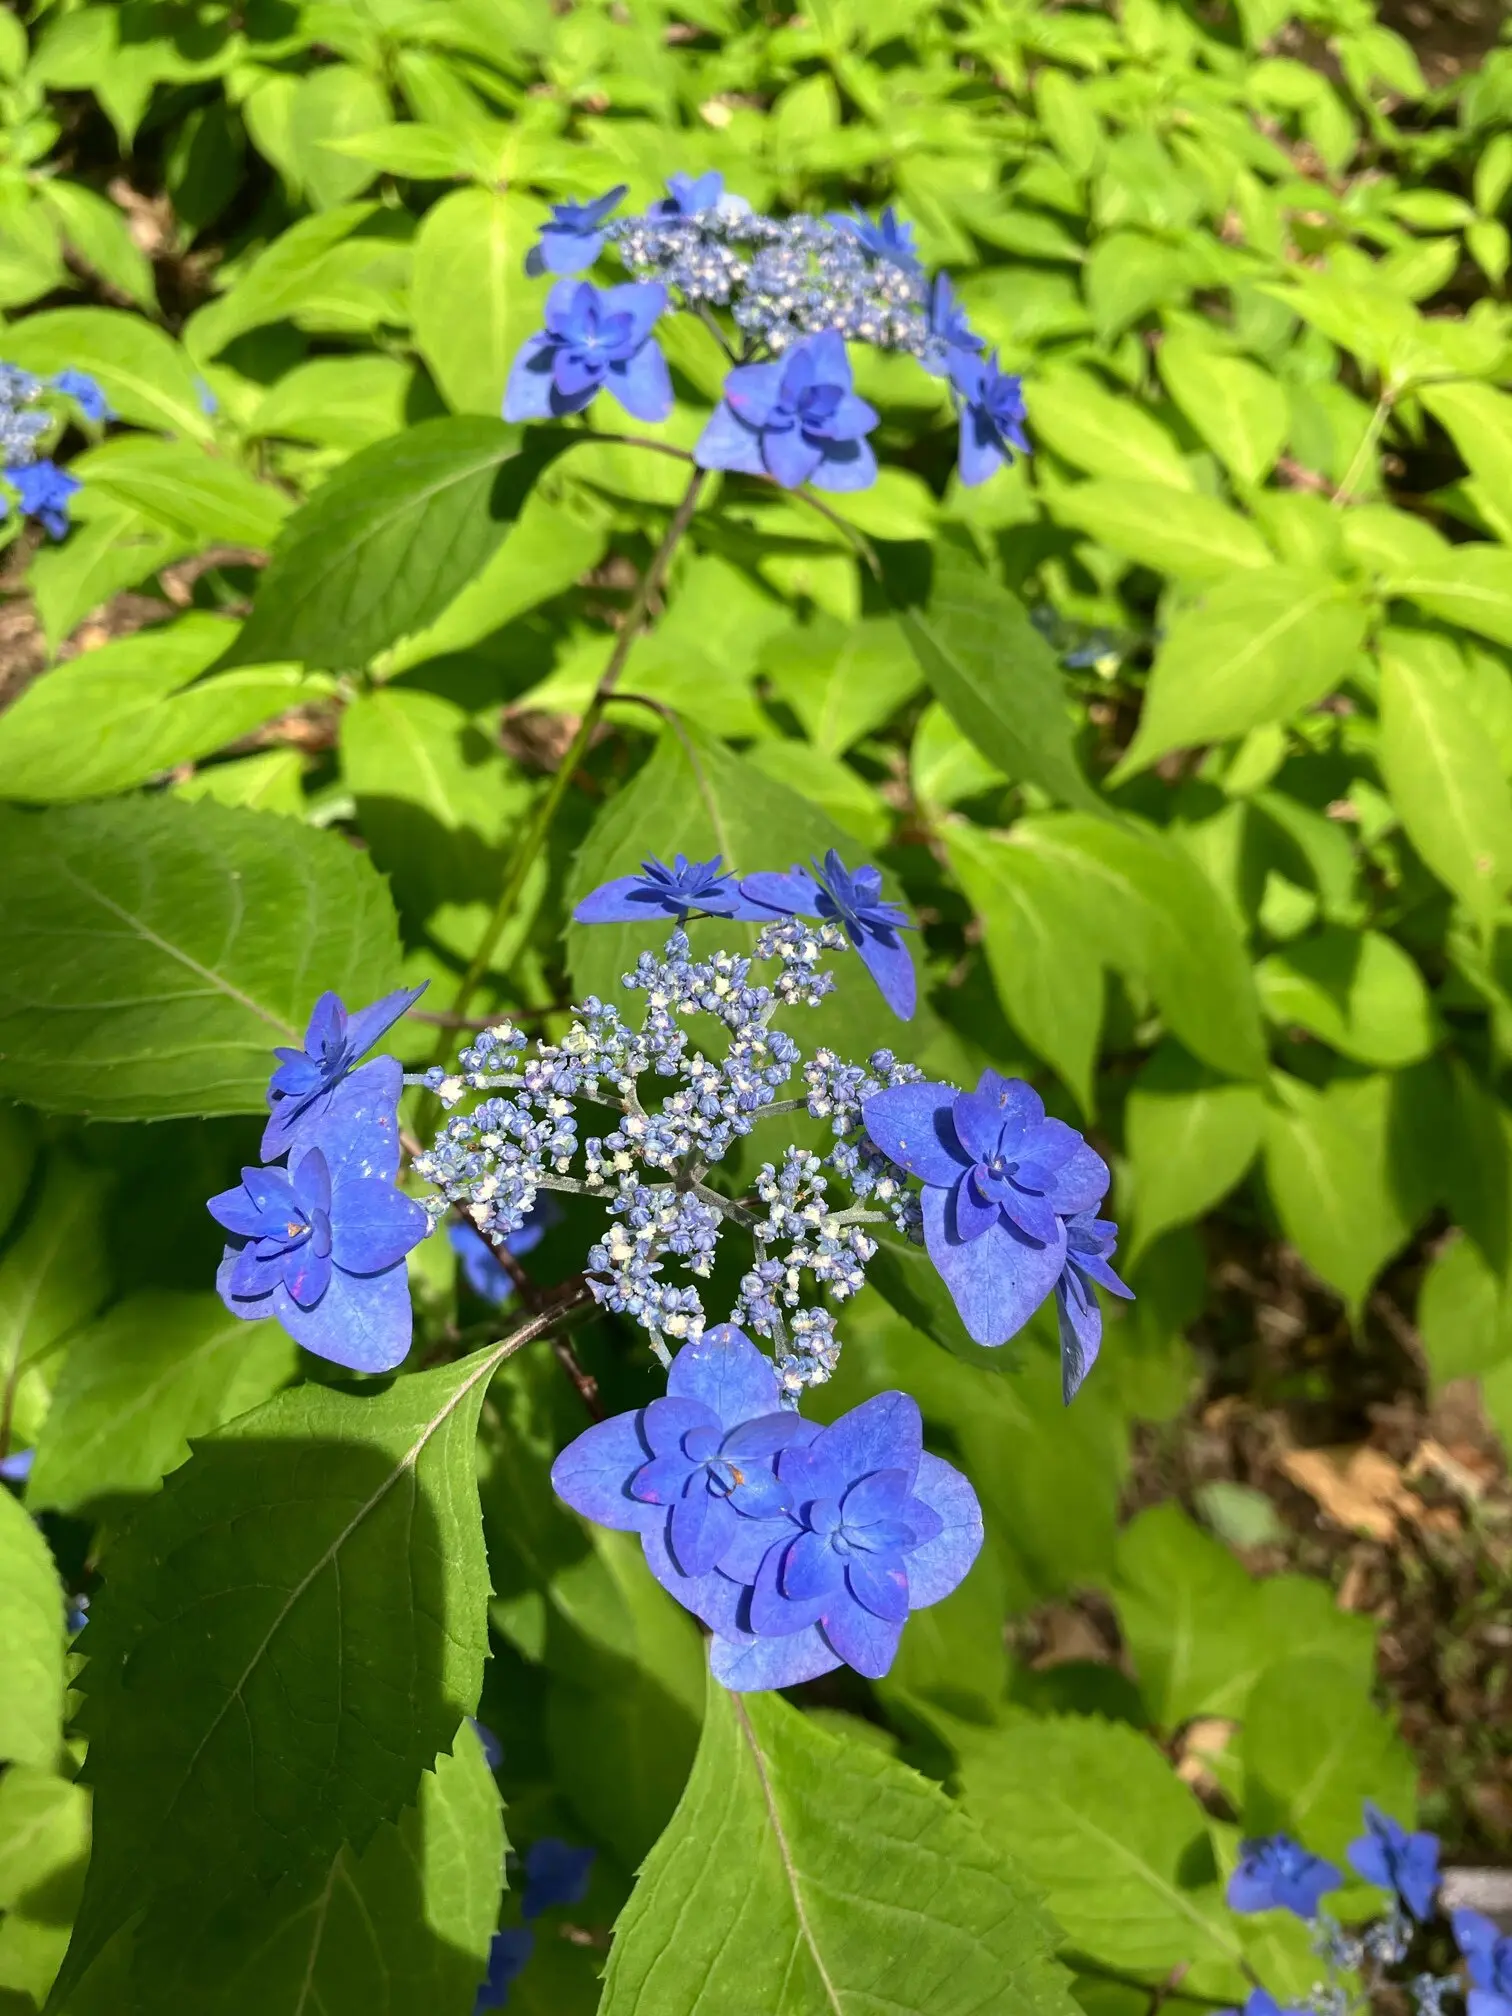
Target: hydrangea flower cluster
1277, 1873
39, 488
793, 292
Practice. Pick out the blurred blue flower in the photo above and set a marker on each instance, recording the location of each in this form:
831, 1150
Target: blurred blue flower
493, 1749
659, 891
556, 1873
1488, 1955
77, 1614
797, 421
1262, 2004
885, 237
999, 1178
1278, 1874
1090, 1244
44, 491
305, 1080
854, 902
209, 405
573, 236
82, 389
594, 340
992, 415
1395, 1860
949, 337
481, 1267
16, 1467
320, 1246
691, 195
507, 1956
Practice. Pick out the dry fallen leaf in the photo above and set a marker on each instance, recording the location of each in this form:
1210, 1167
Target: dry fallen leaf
1359, 1488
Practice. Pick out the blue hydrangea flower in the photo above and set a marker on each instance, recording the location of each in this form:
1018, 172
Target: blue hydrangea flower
481, 1267
855, 902
992, 415
1488, 1955
44, 491
594, 340
209, 405
1387, 1855
1278, 1874
877, 1528
320, 1246
999, 1178
692, 1473
507, 1958
86, 394
885, 237
691, 195
16, 1467
949, 338
556, 1873
573, 236
797, 421
306, 1079
1090, 1245
1262, 2004
659, 891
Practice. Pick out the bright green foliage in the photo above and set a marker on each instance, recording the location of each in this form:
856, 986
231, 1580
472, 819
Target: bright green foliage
31, 1642
806, 1873
1313, 1742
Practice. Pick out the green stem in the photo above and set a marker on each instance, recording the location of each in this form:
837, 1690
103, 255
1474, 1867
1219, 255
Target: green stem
535, 836
1373, 431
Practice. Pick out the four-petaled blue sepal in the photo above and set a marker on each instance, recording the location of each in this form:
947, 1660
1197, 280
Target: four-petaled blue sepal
507, 1958
1406, 1864
691, 195
1090, 1244
556, 1873
1488, 1956
573, 236
855, 902
44, 492
305, 1080
594, 340
320, 1246
659, 891
885, 237
992, 415
1278, 1874
1000, 1180
86, 395
797, 421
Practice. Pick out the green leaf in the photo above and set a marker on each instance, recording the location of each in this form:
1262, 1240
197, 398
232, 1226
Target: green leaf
44, 1845
1464, 1314
1155, 914
96, 230
157, 950
1315, 1748
1190, 1137
996, 676
842, 680
276, 284
1357, 990
329, 104
1116, 1842
809, 1872
111, 546
31, 1641
144, 716
293, 1628
1044, 962
1238, 408
1442, 773
1104, 432
383, 547
474, 304
191, 492
1478, 420
1471, 585
404, 1926
159, 1368
1173, 531
1257, 647
1327, 1168
144, 374
54, 1275
339, 402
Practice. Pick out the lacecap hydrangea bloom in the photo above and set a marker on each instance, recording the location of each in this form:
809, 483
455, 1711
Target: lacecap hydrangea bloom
783, 297
31, 417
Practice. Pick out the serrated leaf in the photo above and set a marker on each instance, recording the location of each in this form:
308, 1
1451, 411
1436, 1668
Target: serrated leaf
809, 1873
31, 1641
291, 1631
1190, 1137
383, 547
1257, 647
1174, 531
157, 950
996, 676
135, 1386
1327, 1168
1315, 1748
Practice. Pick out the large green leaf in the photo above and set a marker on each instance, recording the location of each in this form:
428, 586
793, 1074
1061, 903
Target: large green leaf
1237, 407
1442, 772
1257, 647
194, 494
156, 952
996, 676
1176, 532
157, 1369
1315, 1748
807, 1872
292, 1630
474, 303
44, 1845
53, 1277
31, 1641
1358, 990
1104, 432
383, 547
142, 372
842, 680
1471, 585
1190, 1137
1327, 1167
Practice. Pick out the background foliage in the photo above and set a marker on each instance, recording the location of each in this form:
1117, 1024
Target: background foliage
1252, 595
